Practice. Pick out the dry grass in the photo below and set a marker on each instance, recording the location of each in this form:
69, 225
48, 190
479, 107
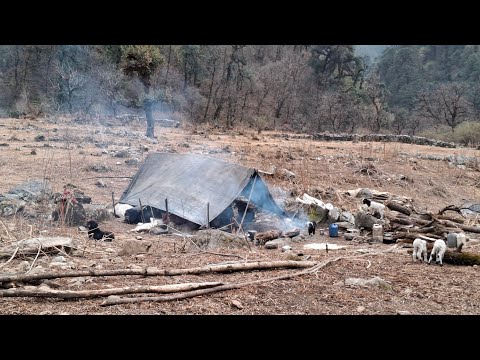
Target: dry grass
72, 150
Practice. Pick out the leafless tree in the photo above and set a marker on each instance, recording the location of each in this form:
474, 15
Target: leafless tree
375, 92
110, 81
446, 103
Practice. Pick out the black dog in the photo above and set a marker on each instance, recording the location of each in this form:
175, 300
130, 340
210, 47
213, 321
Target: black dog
311, 225
96, 233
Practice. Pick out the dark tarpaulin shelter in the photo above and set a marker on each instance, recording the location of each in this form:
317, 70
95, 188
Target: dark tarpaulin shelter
191, 181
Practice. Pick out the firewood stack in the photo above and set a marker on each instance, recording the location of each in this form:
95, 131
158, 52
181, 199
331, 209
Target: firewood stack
407, 224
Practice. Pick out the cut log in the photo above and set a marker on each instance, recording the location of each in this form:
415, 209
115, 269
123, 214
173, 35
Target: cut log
265, 236
393, 205
474, 229
409, 220
291, 233
429, 229
402, 221
241, 266
445, 217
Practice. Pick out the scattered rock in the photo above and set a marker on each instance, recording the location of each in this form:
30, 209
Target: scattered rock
403, 312
366, 221
237, 304
122, 154
294, 257
23, 266
133, 161
101, 183
58, 265
274, 244
34, 190
117, 260
375, 281
97, 212
134, 247
99, 168
288, 175
39, 137
74, 215
213, 239
360, 309
59, 259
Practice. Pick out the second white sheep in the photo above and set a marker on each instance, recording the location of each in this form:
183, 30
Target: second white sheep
419, 250
439, 248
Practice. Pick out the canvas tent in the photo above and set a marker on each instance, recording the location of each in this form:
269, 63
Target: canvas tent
192, 182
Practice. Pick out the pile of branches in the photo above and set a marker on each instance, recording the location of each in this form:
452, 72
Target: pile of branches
407, 224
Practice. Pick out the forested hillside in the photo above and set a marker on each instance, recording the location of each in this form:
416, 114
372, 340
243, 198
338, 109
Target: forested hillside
408, 89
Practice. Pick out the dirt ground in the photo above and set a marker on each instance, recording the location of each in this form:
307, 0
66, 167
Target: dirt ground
70, 150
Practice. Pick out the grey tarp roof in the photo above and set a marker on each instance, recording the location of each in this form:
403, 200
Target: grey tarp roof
190, 181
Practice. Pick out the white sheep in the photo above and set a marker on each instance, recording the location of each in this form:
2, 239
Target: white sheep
378, 208
461, 240
147, 226
120, 209
439, 248
419, 250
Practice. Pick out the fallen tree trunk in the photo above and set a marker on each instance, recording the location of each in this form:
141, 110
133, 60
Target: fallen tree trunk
117, 300
402, 221
318, 266
263, 237
467, 228
445, 217
409, 220
413, 236
393, 205
257, 265
457, 258
424, 230
291, 233
70, 294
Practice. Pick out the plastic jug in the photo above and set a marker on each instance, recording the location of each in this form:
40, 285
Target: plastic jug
333, 230
452, 240
377, 232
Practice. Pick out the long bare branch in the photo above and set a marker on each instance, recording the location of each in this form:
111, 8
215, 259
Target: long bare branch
40, 291
241, 266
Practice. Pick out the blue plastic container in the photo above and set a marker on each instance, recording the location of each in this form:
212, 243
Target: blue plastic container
333, 230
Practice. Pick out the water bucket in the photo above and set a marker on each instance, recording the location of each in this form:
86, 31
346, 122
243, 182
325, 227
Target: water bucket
452, 240
333, 230
377, 232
